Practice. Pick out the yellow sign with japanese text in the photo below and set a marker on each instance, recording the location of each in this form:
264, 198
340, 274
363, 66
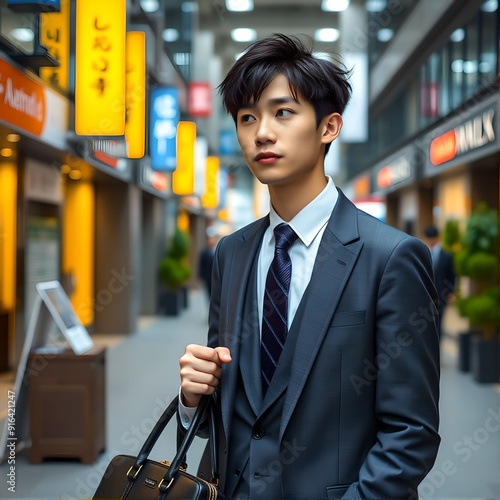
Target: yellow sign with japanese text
135, 126
210, 197
100, 68
55, 34
183, 175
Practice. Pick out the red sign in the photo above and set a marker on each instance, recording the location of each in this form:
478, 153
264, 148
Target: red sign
444, 148
22, 100
200, 100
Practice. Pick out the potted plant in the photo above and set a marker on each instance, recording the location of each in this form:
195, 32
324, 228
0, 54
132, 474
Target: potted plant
452, 242
174, 271
479, 261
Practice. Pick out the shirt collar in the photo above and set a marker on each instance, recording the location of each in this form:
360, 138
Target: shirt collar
309, 221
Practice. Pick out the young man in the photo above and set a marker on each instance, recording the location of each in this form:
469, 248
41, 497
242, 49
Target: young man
327, 381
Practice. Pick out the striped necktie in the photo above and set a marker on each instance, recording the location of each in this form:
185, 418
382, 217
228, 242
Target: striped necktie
275, 309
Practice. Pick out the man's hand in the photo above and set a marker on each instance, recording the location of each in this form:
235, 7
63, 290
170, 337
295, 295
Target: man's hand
201, 369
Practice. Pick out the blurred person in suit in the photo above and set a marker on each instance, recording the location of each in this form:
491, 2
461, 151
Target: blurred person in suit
325, 377
206, 262
444, 273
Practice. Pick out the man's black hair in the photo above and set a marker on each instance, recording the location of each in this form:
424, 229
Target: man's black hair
322, 83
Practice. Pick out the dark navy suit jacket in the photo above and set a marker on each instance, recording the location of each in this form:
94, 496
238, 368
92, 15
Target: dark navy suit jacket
361, 394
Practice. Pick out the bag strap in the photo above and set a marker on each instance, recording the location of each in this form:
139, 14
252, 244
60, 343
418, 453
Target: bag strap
170, 411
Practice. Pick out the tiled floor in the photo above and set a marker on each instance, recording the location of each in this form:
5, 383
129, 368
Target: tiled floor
142, 377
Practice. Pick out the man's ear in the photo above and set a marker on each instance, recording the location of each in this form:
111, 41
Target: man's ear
331, 126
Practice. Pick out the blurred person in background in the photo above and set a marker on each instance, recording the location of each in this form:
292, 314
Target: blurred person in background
326, 382
206, 261
444, 273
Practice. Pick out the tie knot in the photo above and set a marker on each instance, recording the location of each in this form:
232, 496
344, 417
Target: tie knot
285, 236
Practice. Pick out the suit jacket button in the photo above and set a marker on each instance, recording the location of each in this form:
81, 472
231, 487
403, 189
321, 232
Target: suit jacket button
237, 472
258, 433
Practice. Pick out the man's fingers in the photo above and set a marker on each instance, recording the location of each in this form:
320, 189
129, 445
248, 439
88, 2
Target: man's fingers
224, 354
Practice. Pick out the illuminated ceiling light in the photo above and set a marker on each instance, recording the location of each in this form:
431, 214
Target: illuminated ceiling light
384, 34
470, 67
376, 5
23, 34
458, 35
490, 6
239, 5
243, 35
65, 169
457, 66
6, 152
170, 35
188, 6
485, 67
334, 5
327, 35
13, 137
75, 175
150, 5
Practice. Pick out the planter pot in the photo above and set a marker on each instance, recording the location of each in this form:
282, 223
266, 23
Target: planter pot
170, 302
485, 359
464, 351
185, 297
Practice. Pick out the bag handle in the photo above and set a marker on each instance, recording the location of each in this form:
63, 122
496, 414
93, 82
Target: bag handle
170, 411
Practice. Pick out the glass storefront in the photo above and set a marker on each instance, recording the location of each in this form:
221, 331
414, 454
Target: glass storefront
463, 68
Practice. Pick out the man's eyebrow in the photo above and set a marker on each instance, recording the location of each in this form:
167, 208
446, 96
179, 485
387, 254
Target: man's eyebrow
272, 102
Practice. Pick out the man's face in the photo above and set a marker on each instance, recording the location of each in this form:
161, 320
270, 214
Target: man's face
279, 137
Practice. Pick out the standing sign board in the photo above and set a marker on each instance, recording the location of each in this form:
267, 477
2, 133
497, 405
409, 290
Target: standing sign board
52, 311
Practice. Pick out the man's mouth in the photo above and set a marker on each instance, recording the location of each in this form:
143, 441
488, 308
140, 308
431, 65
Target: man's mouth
267, 157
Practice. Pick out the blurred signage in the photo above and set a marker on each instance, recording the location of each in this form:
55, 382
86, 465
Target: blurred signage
362, 186
183, 176
199, 99
469, 136
154, 181
22, 100
398, 171
228, 143
164, 117
110, 152
55, 32
34, 5
210, 198
200, 161
100, 68
135, 126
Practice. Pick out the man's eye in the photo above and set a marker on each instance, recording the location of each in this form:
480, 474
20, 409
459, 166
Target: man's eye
284, 112
246, 118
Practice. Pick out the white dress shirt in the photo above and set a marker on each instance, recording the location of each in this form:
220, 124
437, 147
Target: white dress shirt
309, 224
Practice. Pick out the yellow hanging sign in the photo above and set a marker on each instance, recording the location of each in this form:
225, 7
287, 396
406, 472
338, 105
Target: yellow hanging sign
55, 34
183, 175
210, 197
100, 68
135, 125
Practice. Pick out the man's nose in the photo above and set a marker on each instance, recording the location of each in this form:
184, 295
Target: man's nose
265, 132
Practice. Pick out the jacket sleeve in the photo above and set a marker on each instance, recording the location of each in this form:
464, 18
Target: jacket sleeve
407, 384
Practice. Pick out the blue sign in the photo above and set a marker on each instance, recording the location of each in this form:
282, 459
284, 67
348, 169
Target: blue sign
228, 142
164, 117
34, 5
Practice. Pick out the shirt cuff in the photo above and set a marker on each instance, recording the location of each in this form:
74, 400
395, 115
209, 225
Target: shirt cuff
186, 413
